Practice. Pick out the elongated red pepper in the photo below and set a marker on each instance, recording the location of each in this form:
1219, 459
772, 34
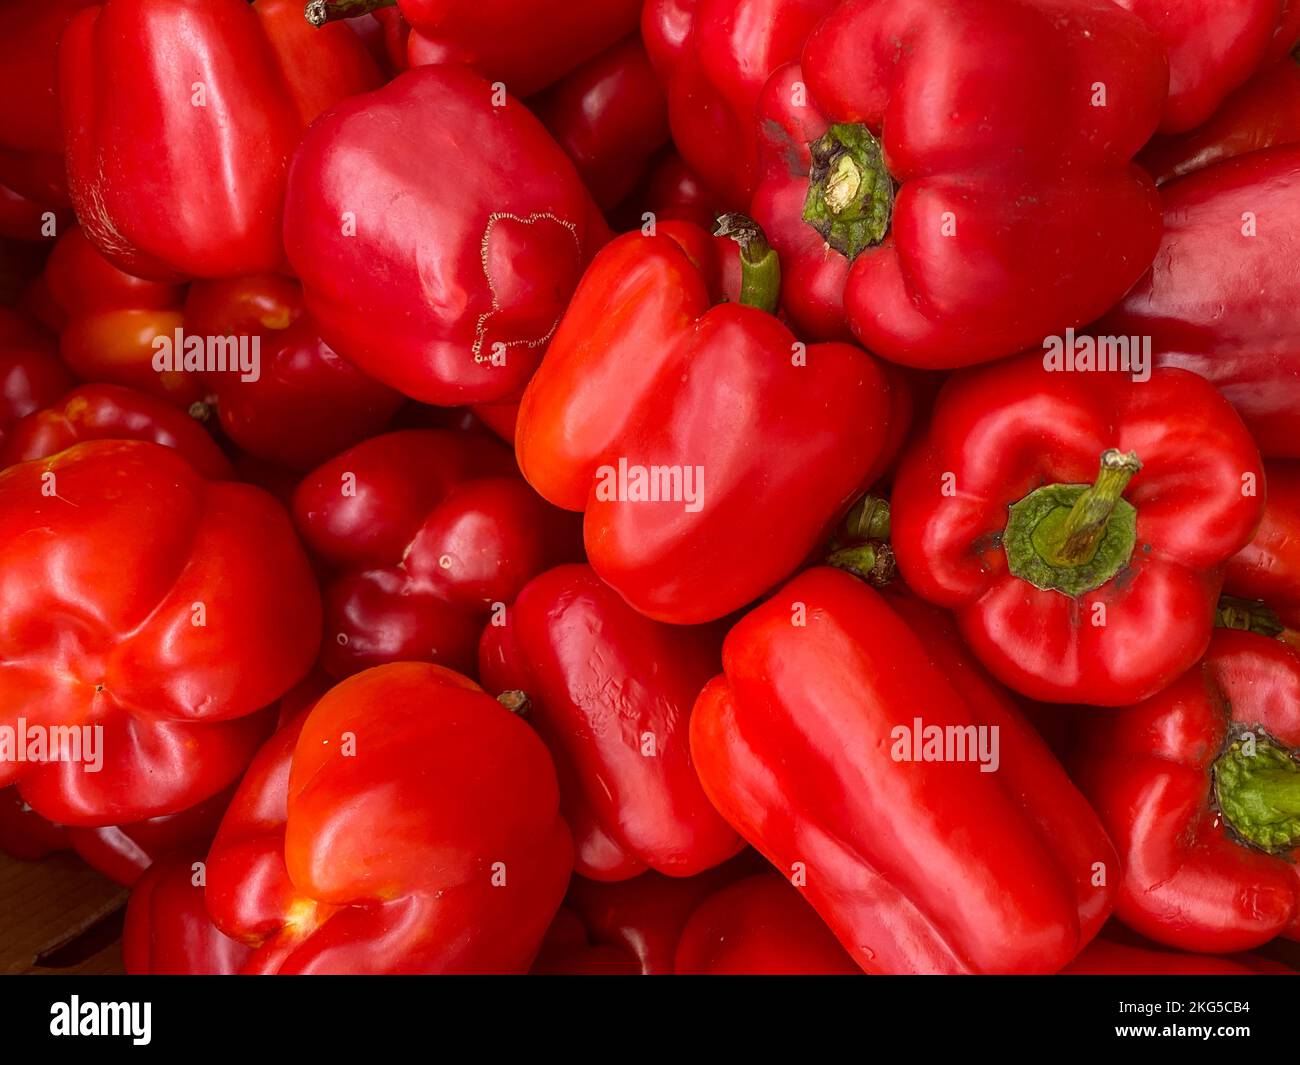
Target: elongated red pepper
611, 693
149, 613
711, 450
444, 272
1266, 572
714, 57
168, 930
1199, 787
1213, 48
407, 823
950, 207
818, 745
306, 403
180, 117
1263, 113
1221, 297
760, 926
1073, 584
610, 117
31, 375
426, 532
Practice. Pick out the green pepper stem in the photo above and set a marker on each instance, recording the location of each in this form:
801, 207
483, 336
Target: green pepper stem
850, 199
760, 266
1075, 540
1247, 616
867, 520
872, 562
517, 702
1259, 794
321, 12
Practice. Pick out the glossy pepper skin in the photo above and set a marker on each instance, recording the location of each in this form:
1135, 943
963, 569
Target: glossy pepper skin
468, 240
961, 207
423, 531
1267, 570
31, 375
1213, 48
133, 599
436, 847
1220, 299
760, 926
308, 403
713, 57
610, 692
1263, 113
1207, 828
1102, 596
168, 931
610, 116
180, 117
917, 866
645, 371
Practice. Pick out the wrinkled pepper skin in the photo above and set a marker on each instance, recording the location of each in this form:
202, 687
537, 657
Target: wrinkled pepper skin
31, 133
760, 926
110, 412
978, 204
1117, 609
180, 117
168, 931
423, 531
1263, 113
794, 744
1213, 48
610, 692
468, 240
31, 375
1221, 297
167, 609
1267, 570
1208, 835
610, 117
308, 403
713, 57
1102, 957
436, 847
646, 370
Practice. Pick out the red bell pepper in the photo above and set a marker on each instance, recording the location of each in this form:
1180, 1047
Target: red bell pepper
1074, 585
424, 531
25, 834
155, 607
433, 844
1266, 572
180, 117
760, 926
961, 204
1221, 297
1263, 113
110, 412
22, 218
1102, 957
669, 191
817, 744
1213, 48
713, 57
1199, 787
610, 692
710, 449
307, 403
567, 951
31, 134
444, 271
168, 930
31, 375
610, 117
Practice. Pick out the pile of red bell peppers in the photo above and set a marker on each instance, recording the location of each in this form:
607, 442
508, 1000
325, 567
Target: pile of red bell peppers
693, 486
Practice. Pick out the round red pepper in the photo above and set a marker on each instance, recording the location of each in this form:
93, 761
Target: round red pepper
444, 271
425, 530
1266, 572
408, 823
180, 117
1199, 787
917, 864
1070, 584
31, 375
951, 206
610, 692
165, 608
